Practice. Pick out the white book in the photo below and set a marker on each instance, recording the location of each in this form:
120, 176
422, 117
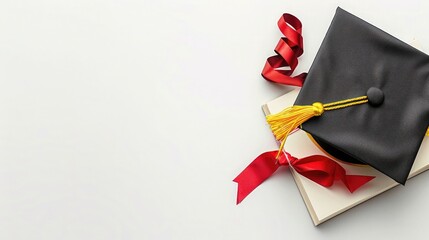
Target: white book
325, 203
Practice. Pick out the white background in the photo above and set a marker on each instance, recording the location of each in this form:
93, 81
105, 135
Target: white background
129, 119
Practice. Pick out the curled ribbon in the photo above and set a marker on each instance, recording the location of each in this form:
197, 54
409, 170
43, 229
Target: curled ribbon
288, 49
317, 168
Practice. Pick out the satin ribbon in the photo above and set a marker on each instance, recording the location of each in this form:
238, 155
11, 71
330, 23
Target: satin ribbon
318, 168
288, 49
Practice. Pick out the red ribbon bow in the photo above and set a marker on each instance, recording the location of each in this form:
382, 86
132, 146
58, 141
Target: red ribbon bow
317, 168
289, 48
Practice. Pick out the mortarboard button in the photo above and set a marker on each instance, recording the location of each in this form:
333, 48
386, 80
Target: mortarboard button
375, 96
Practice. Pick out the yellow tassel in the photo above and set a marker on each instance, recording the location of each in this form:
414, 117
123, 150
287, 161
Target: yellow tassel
284, 122
427, 132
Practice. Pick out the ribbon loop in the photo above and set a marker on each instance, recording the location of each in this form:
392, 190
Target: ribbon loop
293, 34
288, 49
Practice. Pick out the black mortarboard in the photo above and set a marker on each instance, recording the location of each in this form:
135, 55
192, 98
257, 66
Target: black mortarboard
385, 127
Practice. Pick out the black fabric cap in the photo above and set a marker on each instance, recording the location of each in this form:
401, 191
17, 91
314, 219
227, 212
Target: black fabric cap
358, 59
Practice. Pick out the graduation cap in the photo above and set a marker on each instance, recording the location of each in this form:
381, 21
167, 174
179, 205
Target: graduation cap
365, 98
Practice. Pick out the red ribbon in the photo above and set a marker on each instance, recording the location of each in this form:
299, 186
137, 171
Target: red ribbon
317, 168
289, 48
